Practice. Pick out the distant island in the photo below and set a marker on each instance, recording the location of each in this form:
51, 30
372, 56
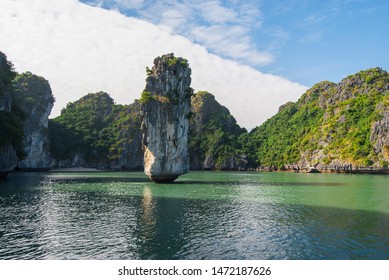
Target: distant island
340, 127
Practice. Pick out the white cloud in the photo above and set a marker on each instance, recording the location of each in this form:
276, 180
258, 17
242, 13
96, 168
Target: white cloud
242, 49
82, 49
190, 18
174, 18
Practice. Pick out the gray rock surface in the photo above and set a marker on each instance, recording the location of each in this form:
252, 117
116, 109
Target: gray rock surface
209, 163
76, 160
380, 135
165, 126
230, 163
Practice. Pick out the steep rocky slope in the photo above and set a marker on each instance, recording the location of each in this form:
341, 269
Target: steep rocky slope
214, 135
333, 127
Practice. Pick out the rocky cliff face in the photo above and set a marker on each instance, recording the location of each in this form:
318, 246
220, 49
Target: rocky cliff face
165, 126
340, 127
213, 136
379, 135
34, 98
8, 158
357, 111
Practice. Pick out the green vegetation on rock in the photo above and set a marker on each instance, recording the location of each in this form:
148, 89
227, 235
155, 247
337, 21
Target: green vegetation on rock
214, 133
177, 60
96, 129
146, 97
87, 120
330, 125
107, 135
11, 117
7, 74
11, 130
340, 127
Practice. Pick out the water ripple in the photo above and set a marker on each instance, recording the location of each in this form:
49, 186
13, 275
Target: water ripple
119, 218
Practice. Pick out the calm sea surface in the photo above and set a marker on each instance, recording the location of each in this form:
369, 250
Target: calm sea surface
205, 215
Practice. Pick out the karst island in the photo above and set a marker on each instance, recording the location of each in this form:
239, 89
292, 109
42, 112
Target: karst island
166, 110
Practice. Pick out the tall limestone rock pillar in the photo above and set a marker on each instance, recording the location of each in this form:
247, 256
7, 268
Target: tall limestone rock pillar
165, 126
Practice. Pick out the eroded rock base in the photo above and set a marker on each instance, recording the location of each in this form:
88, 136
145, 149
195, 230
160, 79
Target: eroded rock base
163, 179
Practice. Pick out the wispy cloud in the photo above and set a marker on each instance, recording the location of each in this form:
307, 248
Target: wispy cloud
82, 49
117, 4
223, 27
215, 12
337, 6
241, 49
280, 37
312, 19
311, 37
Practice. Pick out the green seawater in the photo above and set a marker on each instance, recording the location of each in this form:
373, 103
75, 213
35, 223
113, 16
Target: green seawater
203, 215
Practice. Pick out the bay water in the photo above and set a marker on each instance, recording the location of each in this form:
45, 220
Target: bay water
203, 215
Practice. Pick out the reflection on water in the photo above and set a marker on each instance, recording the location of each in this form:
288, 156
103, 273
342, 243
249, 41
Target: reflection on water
148, 221
205, 216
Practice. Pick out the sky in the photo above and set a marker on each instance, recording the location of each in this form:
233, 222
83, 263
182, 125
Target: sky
306, 41
252, 55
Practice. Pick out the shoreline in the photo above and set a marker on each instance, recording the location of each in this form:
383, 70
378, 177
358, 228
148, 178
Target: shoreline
75, 169
265, 170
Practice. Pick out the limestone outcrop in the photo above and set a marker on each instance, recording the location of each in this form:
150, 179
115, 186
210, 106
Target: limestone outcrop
129, 147
34, 98
94, 132
342, 128
165, 126
8, 131
214, 136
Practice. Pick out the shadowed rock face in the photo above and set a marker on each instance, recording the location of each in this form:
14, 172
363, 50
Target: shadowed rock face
8, 157
165, 126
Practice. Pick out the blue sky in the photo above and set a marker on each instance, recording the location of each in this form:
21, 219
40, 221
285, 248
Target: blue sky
304, 41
